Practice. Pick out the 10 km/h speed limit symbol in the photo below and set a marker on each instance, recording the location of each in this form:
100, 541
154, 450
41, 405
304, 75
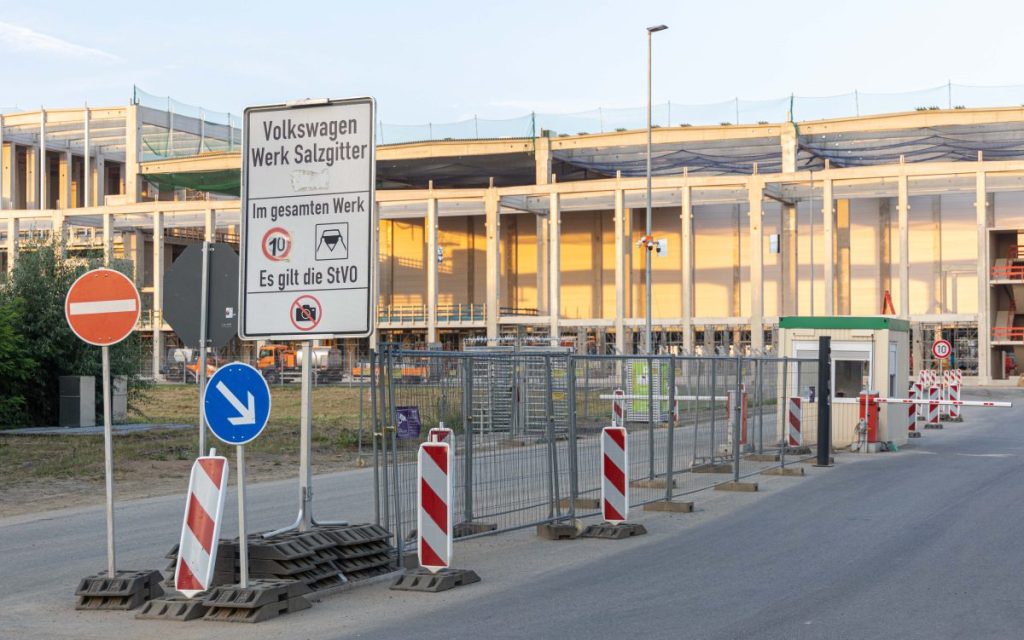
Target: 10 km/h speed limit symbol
941, 349
308, 219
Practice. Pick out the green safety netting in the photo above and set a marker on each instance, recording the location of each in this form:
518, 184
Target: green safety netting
227, 181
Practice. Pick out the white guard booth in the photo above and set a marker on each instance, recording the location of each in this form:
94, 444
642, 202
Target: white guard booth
868, 352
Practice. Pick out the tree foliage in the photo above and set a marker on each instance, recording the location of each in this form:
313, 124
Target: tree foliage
36, 344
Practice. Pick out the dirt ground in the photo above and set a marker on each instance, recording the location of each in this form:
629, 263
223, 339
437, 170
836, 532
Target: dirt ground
40, 473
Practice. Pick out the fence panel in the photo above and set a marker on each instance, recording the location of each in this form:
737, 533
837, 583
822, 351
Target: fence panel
527, 422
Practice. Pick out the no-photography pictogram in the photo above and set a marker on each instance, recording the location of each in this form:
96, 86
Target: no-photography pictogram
305, 313
277, 244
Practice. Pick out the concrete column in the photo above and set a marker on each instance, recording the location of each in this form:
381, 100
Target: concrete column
430, 230
555, 268
31, 177
87, 160
13, 230
59, 232
828, 214
132, 154
620, 271
100, 177
902, 214
66, 177
158, 291
842, 255
542, 158
493, 254
755, 188
139, 257
210, 225
541, 222
108, 238
41, 159
686, 235
788, 138
984, 289
8, 175
789, 252
4, 167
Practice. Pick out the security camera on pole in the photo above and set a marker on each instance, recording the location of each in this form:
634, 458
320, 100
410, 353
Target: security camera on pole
102, 308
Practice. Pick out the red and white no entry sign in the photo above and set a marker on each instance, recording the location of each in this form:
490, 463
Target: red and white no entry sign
102, 307
941, 349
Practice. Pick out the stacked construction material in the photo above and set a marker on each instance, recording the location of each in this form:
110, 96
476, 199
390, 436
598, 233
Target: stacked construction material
324, 557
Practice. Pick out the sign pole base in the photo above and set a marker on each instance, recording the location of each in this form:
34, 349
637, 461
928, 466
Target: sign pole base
617, 531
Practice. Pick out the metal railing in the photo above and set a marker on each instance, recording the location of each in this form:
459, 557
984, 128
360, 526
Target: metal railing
527, 424
1008, 272
417, 313
1008, 334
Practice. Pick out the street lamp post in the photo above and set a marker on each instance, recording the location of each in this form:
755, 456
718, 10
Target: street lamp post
648, 242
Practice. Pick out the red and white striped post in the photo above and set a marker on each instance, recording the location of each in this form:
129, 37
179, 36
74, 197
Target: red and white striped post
618, 408
912, 431
434, 507
917, 393
933, 406
197, 548
794, 418
614, 474
954, 395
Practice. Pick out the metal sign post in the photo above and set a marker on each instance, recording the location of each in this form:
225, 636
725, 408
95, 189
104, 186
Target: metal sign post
308, 227
203, 318
108, 460
237, 406
102, 308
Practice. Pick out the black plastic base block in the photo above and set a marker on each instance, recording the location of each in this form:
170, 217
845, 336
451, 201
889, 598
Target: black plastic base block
175, 608
423, 580
258, 601
608, 531
125, 591
558, 531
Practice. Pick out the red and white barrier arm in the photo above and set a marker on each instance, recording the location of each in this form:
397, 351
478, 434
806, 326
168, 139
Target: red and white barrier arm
955, 403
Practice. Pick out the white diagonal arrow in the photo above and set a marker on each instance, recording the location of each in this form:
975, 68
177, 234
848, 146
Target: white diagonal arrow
248, 413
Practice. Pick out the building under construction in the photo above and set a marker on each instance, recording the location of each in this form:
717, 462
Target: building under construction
915, 214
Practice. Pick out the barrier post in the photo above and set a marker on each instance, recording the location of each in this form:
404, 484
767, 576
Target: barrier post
824, 402
794, 419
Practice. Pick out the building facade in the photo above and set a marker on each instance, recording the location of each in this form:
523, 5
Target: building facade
915, 215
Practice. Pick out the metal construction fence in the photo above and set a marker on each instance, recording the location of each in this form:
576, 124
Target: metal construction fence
526, 426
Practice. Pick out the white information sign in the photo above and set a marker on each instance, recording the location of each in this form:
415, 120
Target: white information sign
308, 220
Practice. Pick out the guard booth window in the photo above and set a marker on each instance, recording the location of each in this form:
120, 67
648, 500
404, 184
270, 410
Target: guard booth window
851, 378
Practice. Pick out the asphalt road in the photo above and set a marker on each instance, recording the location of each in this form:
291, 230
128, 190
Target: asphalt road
921, 544
924, 543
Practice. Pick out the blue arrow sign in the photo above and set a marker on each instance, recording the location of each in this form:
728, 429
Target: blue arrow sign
236, 403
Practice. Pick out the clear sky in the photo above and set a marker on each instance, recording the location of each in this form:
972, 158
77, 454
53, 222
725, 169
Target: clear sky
448, 60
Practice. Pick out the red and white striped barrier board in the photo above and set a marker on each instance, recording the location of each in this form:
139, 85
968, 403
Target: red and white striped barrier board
795, 416
197, 549
933, 404
440, 434
954, 395
912, 412
614, 474
618, 407
743, 415
434, 506
916, 393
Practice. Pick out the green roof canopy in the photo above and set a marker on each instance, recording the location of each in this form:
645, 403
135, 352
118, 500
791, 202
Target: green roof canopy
843, 322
